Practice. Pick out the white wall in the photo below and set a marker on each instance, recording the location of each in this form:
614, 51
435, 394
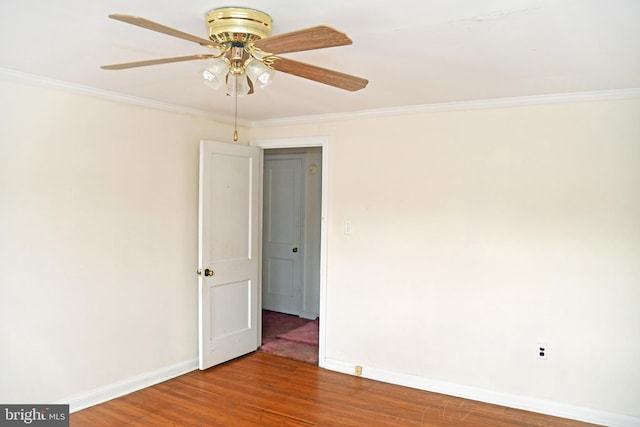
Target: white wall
474, 235
478, 233
98, 241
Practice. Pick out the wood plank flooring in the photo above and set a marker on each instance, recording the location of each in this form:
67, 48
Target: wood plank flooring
268, 390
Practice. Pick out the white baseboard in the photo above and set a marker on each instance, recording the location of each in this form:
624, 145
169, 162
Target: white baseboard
504, 399
111, 391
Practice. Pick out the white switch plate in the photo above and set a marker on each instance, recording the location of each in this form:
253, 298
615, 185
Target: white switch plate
347, 227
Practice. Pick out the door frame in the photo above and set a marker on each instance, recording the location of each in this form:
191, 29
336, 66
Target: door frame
304, 142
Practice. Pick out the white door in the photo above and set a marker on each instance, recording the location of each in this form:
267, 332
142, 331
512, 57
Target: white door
228, 251
283, 219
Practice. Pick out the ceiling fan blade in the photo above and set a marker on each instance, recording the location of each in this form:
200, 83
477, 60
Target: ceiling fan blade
156, 62
312, 72
297, 41
150, 25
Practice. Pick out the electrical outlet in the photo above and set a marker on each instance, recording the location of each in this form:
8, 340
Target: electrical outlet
542, 351
358, 370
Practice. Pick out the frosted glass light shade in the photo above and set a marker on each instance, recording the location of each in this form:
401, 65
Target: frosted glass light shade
259, 74
215, 75
237, 83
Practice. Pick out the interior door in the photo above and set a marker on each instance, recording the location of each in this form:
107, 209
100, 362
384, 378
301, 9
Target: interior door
283, 219
228, 251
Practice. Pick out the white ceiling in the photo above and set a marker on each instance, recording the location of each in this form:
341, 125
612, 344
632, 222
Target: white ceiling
413, 52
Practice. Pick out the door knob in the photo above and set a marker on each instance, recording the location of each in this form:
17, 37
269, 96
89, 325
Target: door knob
294, 250
207, 272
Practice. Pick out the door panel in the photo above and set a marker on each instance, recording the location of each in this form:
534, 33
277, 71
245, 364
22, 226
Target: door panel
231, 176
225, 321
229, 248
282, 226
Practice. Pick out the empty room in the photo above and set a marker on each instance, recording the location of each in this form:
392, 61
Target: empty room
449, 190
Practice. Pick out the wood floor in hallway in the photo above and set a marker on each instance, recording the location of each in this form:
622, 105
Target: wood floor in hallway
262, 389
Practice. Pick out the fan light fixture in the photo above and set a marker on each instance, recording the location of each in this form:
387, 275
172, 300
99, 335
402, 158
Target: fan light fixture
238, 81
247, 53
255, 74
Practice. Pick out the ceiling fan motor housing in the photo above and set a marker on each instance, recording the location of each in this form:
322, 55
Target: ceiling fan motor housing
237, 25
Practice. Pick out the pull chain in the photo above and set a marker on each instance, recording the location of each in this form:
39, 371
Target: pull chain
235, 115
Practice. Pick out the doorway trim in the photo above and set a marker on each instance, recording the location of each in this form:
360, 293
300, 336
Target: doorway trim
303, 142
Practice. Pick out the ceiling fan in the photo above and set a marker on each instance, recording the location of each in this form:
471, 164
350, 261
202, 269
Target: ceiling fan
247, 54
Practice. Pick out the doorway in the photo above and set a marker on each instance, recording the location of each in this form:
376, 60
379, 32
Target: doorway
294, 239
292, 197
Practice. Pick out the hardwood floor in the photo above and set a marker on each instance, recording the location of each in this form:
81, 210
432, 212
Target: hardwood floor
267, 390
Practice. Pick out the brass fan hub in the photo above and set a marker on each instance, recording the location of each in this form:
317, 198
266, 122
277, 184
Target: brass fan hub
236, 24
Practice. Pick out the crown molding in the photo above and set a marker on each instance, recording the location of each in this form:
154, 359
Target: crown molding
480, 104
520, 101
110, 96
